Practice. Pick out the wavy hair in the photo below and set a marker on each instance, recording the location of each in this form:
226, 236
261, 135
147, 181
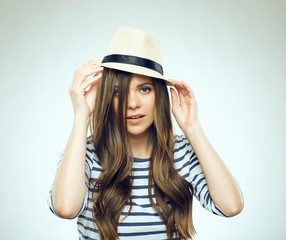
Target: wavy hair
112, 189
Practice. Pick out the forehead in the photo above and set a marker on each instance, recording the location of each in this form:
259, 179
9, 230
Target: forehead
138, 79
141, 78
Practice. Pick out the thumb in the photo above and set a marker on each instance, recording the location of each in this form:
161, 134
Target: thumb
174, 96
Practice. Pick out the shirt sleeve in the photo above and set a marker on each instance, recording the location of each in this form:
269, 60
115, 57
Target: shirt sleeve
88, 167
190, 168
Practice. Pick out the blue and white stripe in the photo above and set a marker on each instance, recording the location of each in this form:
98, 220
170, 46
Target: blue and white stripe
143, 222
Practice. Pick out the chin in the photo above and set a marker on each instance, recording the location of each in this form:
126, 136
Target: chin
138, 132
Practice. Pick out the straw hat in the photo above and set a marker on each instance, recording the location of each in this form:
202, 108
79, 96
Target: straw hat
133, 50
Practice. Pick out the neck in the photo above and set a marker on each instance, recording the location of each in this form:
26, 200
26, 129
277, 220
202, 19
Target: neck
141, 145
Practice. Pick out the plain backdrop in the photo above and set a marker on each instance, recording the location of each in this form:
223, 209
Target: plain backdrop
231, 53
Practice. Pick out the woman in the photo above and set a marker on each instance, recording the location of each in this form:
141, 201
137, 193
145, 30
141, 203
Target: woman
132, 178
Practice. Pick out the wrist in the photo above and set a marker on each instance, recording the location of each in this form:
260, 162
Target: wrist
79, 119
193, 129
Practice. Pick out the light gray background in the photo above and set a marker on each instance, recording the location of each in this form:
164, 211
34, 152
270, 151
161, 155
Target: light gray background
232, 54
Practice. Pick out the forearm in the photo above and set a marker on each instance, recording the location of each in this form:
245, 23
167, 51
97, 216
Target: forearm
223, 188
68, 189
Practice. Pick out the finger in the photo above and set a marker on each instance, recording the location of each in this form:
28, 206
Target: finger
187, 96
92, 88
188, 89
89, 64
84, 66
179, 88
184, 91
90, 71
174, 81
81, 76
181, 96
90, 81
177, 84
174, 97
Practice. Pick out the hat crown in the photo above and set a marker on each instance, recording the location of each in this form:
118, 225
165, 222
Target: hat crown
135, 42
134, 51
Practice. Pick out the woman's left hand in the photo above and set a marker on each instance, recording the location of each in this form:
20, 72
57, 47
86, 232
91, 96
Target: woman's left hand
184, 105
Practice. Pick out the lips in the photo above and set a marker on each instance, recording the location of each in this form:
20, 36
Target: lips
135, 116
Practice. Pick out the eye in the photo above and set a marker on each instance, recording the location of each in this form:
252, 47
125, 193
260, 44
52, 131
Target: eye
115, 92
145, 89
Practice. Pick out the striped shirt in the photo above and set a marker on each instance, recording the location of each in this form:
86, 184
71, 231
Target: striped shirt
143, 222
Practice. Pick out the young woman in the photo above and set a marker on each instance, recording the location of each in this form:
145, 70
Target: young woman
132, 178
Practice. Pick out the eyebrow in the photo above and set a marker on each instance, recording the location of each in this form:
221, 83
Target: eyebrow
145, 83
139, 85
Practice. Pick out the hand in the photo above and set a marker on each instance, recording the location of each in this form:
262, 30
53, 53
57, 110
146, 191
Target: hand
184, 105
83, 101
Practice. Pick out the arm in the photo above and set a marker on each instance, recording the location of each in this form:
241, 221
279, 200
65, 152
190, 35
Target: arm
223, 188
69, 187
188, 167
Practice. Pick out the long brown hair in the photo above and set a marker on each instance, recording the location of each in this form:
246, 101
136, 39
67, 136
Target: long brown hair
112, 189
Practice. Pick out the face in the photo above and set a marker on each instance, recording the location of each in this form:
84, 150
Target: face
140, 105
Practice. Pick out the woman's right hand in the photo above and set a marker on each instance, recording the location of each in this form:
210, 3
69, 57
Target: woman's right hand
83, 101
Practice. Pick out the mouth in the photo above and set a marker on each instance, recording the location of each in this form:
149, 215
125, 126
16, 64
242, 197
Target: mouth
137, 116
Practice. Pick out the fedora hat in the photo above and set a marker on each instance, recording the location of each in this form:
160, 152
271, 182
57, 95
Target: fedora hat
135, 51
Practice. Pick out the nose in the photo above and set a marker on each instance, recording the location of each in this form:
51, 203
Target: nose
133, 101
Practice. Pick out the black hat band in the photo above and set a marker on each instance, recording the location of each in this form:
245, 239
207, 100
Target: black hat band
133, 60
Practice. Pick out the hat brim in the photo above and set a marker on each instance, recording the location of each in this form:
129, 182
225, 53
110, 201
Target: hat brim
132, 69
